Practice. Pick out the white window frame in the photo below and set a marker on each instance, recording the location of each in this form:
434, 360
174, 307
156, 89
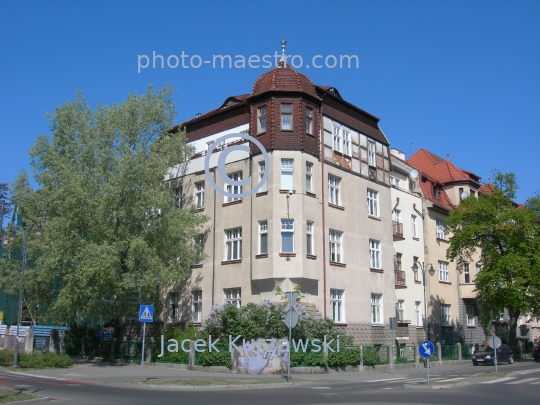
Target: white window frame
237, 176
336, 140
174, 299
284, 114
444, 273
196, 306
261, 120
375, 255
336, 246
262, 168
233, 296
400, 310
199, 249
337, 305
372, 154
478, 268
397, 216
309, 238
466, 273
263, 231
413, 226
418, 313
309, 120
334, 189
469, 312
287, 227
199, 194
287, 167
346, 137
446, 315
376, 309
309, 177
373, 202
394, 181
341, 139
441, 229
233, 244
178, 197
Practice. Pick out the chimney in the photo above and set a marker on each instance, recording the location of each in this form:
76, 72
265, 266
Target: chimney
197, 115
448, 156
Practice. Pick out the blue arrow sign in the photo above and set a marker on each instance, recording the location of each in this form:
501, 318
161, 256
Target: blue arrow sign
146, 313
426, 349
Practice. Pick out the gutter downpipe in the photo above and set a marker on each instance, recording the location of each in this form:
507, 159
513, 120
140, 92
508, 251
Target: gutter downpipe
321, 123
214, 244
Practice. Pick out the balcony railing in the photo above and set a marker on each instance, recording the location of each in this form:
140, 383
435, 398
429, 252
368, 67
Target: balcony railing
399, 275
397, 228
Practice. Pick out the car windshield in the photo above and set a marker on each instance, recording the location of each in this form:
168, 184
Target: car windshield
485, 349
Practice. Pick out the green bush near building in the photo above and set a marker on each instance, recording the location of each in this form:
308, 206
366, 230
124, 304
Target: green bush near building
36, 360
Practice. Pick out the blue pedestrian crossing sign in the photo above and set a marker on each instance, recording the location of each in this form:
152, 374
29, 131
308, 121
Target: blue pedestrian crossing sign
146, 313
426, 349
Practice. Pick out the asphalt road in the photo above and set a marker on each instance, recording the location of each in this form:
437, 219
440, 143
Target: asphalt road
348, 388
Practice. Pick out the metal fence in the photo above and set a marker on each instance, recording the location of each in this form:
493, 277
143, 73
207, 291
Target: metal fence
467, 352
449, 352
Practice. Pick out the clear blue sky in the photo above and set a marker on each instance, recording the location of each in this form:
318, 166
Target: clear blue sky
456, 77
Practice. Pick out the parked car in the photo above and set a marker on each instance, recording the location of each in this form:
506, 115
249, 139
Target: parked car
536, 353
486, 355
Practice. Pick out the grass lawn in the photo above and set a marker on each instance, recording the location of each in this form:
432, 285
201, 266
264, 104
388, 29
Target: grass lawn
9, 396
211, 382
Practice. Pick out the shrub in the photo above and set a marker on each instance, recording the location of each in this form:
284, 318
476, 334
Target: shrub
400, 360
6, 358
345, 357
213, 358
174, 332
35, 360
371, 357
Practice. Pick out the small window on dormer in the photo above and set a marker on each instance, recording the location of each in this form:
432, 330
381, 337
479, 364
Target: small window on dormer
309, 120
286, 117
261, 120
437, 192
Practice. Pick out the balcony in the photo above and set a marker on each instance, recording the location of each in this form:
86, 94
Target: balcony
397, 229
399, 276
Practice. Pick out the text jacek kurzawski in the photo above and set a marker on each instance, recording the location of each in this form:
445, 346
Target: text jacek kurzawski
201, 345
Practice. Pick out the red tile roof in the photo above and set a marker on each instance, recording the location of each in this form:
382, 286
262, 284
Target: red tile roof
283, 79
440, 169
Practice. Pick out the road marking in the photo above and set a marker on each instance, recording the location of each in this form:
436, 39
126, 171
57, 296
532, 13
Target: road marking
523, 381
529, 371
499, 380
535, 383
386, 379
320, 388
452, 379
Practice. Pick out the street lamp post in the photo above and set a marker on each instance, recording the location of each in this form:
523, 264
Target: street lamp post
431, 272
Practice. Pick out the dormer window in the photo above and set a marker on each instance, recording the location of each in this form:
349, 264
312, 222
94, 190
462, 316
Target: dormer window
261, 120
286, 117
309, 120
437, 192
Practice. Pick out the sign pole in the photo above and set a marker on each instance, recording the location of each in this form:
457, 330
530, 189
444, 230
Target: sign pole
426, 350
495, 356
427, 361
290, 351
142, 354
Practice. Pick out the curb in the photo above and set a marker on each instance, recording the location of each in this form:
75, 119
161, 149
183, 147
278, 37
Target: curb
435, 387
139, 386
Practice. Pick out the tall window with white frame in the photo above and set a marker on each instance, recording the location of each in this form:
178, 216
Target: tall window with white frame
335, 246
287, 236
470, 314
446, 318
376, 309
337, 138
286, 117
309, 238
337, 305
418, 313
416, 275
373, 202
466, 273
261, 120
478, 268
413, 226
233, 296
263, 237
309, 120
397, 216
173, 309
309, 177
234, 189
372, 159
444, 275
346, 142
262, 168
401, 310
199, 194
287, 167
334, 190
441, 229
375, 254
178, 200
196, 306
198, 246
233, 244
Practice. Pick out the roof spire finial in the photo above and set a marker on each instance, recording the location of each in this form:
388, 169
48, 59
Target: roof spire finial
283, 60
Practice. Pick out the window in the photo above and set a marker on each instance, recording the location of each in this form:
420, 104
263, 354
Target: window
374, 254
397, 216
196, 306
341, 140
446, 319
473, 193
262, 168
443, 272
401, 310
261, 121
337, 139
466, 273
478, 268
394, 181
373, 202
437, 192
309, 238
199, 194
335, 246
286, 117
263, 237
287, 236
199, 249
309, 177
309, 120
376, 309
173, 309
209, 144
232, 295
337, 305
178, 200
233, 244
333, 190
372, 161
470, 314
461, 191
287, 174
413, 226
441, 229
233, 189
346, 143
397, 265
416, 275
418, 313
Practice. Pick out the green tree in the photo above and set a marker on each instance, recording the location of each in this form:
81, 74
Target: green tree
508, 239
4, 197
113, 235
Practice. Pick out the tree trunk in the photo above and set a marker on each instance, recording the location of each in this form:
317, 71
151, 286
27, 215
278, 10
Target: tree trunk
512, 329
